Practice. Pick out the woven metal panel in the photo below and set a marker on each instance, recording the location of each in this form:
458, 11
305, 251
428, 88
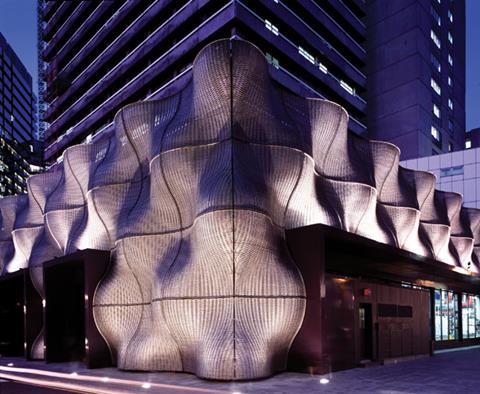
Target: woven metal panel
192, 195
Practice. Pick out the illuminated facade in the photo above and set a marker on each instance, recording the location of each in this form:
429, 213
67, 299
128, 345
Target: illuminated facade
193, 196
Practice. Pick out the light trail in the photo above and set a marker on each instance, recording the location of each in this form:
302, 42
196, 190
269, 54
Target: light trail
12, 374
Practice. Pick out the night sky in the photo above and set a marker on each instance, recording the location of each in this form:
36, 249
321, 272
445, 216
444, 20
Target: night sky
19, 26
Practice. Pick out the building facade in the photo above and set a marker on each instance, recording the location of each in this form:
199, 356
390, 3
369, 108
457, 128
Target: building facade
100, 56
17, 122
457, 172
416, 75
244, 231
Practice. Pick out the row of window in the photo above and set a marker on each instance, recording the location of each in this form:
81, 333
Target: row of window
304, 53
438, 67
438, 44
310, 58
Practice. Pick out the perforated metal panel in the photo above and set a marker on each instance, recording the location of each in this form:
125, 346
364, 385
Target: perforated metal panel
192, 195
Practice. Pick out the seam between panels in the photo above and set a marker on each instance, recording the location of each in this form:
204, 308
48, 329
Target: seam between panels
100, 282
142, 177
55, 189
431, 192
110, 239
232, 152
201, 214
212, 297
35, 199
385, 225
52, 235
392, 166
327, 153
83, 217
101, 220
411, 231
180, 243
297, 182
372, 194
304, 297
123, 245
142, 310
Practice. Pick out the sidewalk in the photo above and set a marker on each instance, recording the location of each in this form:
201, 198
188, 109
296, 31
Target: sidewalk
451, 372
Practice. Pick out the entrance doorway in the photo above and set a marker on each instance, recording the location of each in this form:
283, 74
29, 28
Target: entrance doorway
11, 315
365, 316
64, 311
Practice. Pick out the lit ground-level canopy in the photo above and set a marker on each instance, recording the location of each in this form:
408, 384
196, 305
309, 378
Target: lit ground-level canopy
192, 195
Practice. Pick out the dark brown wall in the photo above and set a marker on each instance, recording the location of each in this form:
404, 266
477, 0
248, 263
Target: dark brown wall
306, 354
338, 323
392, 336
403, 336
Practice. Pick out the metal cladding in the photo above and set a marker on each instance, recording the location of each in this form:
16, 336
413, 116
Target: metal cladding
192, 195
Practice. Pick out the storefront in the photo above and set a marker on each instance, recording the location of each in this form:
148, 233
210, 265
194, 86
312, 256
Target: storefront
456, 319
376, 303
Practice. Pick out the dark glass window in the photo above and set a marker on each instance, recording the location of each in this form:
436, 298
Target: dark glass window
446, 315
470, 316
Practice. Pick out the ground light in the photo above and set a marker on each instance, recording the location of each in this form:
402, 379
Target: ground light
324, 381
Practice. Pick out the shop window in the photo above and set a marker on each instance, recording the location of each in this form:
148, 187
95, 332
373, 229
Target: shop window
446, 315
470, 316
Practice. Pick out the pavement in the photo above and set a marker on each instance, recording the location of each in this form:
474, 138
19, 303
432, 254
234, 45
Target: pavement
447, 372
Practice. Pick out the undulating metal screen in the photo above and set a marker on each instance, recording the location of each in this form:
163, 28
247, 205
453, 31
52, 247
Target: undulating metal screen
192, 195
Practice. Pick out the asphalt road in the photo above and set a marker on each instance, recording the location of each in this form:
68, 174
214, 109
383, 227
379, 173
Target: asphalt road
7, 387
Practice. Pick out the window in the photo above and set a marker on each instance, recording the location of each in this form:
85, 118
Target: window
436, 64
436, 111
450, 104
436, 17
435, 39
450, 147
468, 143
306, 55
450, 126
435, 86
446, 315
435, 133
451, 171
271, 27
450, 37
450, 16
449, 81
323, 68
450, 60
347, 87
272, 60
470, 316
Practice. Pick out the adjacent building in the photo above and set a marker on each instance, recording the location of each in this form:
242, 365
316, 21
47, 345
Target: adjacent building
416, 74
17, 122
472, 138
455, 172
100, 56
401, 62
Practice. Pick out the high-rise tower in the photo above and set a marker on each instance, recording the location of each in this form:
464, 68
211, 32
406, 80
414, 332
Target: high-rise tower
416, 74
17, 122
103, 55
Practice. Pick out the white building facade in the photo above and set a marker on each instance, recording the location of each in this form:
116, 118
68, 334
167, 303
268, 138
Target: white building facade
455, 171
